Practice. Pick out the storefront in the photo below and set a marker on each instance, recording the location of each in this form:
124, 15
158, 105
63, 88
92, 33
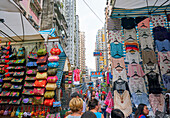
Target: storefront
138, 33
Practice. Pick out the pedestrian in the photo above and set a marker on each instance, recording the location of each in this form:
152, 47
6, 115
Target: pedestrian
76, 95
94, 107
117, 113
94, 94
142, 111
103, 105
88, 114
76, 107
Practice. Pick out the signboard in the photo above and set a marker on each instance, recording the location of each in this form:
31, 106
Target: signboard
96, 74
97, 53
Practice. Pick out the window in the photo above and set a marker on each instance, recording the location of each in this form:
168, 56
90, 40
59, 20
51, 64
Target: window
36, 12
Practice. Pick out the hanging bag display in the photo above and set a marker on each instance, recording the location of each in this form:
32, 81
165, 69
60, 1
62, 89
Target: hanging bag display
110, 106
57, 104
51, 86
53, 58
33, 54
38, 100
42, 51
42, 68
41, 75
49, 94
14, 55
42, 59
52, 72
55, 50
21, 52
31, 64
52, 79
53, 64
40, 83
48, 102
39, 91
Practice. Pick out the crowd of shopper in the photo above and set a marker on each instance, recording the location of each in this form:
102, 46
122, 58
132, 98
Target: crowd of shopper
94, 106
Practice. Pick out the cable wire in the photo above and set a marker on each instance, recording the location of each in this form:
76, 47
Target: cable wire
92, 11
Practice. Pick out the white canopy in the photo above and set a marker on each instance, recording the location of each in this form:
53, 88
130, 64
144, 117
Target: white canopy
134, 4
14, 20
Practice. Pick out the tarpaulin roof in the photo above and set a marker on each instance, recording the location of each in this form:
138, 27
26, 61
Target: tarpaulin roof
133, 8
14, 26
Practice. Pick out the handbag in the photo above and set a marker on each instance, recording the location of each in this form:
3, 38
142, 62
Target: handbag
18, 74
2, 69
41, 75
13, 56
28, 84
31, 72
33, 55
5, 93
13, 112
42, 68
14, 94
57, 104
30, 78
40, 83
38, 100
52, 79
42, 51
9, 74
52, 72
19, 61
53, 64
28, 92
19, 67
18, 87
42, 59
39, 91
21, 52
7, 78
49, 94
53, 58
17, 80
51, 86
27, 100
2, 61
15, 102
55, 50
31, 64
48, 102
7, 85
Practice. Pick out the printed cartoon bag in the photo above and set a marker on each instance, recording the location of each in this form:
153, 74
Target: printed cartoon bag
52, 72
48, 102
13, 56
42, 59
2, 68
14, 94
31, 64
5, 93
19, 67
30, 78
42, 68
33, 55
28, 84
31, 72
38, 100
27, 100
55, 50
57, 104
7, 78
49, 94
53, 58
18, 74
42, 51
16, 87
53, 64
28, 92
39, 91
16, 102
17, 80
41, 75
7, 85
51, 86
40, 83
21, 52
52, 79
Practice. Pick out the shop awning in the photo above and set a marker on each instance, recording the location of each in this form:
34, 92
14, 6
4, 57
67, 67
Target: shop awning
14, 26
133, 8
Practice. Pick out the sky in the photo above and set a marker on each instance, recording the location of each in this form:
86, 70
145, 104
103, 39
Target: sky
90, 24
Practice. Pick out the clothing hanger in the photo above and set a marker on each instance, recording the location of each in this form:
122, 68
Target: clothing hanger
118, 65
163, 49
150, 62
117, 54
133, 61
145, 35
143, 25
132, 50
130, 37
135, 74
138, 92
147, 48
166, 59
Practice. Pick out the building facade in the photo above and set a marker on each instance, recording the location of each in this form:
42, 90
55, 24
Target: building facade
70, 15
101, 46
77, 43
32, 10
82, 57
